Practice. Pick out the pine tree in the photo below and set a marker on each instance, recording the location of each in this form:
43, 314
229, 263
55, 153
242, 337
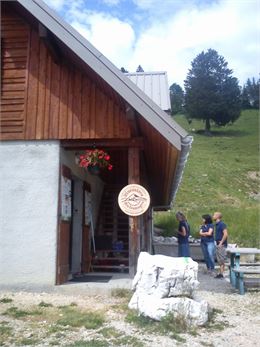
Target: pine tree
211, 92
177, 98
250, 94
139, 69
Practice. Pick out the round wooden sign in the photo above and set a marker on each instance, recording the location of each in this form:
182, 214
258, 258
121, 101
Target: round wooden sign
134, 200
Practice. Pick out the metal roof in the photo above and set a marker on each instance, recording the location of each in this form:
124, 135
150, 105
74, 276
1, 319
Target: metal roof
155, 85
145, 106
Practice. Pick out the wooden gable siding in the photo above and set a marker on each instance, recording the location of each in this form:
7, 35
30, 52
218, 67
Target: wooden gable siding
14, 52
56, 101
161, 158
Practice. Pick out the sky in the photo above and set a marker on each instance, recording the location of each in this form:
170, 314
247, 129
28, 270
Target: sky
166, 35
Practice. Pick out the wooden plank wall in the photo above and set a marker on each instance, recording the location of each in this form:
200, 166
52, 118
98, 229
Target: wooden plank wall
44, 100
14, 52
161, 160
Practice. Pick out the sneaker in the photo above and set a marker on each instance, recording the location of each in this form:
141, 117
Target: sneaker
219, 276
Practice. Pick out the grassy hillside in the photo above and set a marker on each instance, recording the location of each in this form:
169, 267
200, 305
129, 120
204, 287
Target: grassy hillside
222, 174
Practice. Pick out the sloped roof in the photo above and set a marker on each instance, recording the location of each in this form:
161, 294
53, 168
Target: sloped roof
155, 85
168, 128
172, 133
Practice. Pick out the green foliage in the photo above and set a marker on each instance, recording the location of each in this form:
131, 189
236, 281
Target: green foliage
211, 93
29, 342
127, 340
91, 343
72, 304
206, 344
44, 304
177, 98
6, 301
215, 325
170, 325
121, 293
16, 313
53, 329
222, 174
138, 320
110, 333
75, 318
5, 332
116, 338
167, 221
250, 94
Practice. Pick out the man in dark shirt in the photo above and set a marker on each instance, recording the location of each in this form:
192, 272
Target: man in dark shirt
221, 236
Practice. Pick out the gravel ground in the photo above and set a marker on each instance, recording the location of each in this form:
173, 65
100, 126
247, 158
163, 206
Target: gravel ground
237, 321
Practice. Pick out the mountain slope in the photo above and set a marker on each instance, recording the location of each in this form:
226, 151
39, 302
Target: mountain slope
222, 174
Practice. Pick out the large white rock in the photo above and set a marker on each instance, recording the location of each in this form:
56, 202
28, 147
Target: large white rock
163, 276
194, 312
164, 285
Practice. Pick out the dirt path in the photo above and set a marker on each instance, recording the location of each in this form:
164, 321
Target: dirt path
236, 322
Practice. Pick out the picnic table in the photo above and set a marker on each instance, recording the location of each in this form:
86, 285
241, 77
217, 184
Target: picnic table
241, 281
236, 272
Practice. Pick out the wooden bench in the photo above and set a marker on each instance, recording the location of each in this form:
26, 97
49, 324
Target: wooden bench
235, 254
246, 264
248, 282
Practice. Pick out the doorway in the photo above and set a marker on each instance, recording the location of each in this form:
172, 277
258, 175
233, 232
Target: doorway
76, 226
73, 247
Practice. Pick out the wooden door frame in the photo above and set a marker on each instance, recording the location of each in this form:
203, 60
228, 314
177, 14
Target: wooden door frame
134, 227
85, 258
63, 235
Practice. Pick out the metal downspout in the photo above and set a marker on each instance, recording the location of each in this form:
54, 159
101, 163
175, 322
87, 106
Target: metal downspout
185, 149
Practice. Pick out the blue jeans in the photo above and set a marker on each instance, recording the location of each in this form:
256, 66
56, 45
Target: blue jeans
208, 250
183, 250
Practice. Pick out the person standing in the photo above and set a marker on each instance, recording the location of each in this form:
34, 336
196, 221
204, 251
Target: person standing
207, 242
221, 236
183, 235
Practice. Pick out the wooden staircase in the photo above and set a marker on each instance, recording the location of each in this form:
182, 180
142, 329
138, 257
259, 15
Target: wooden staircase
111, 239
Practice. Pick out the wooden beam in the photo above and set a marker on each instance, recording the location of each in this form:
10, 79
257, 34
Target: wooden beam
132, 121
133, 165
134, 227
136, 142
50, 43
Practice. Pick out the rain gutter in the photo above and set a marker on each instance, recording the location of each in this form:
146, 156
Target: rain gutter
185, 149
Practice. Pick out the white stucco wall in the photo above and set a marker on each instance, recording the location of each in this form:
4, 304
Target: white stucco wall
29, 183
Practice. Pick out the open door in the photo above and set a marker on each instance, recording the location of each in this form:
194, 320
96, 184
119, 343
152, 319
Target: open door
64, 226
86, 254
77, 226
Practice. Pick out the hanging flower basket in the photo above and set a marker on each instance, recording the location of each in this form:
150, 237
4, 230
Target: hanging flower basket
94, 170
95, 160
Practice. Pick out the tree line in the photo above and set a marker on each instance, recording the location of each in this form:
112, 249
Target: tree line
211, 93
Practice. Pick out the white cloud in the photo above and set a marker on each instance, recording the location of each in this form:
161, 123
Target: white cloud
229, 27
111, 2
56, 4
170, 42
114, 38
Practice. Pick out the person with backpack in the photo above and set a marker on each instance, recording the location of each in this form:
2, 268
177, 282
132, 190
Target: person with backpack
183, 235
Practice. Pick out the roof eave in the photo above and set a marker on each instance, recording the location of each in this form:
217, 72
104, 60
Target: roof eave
169, 129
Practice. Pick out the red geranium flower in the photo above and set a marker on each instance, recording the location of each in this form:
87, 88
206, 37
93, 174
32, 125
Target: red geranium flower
95, 157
